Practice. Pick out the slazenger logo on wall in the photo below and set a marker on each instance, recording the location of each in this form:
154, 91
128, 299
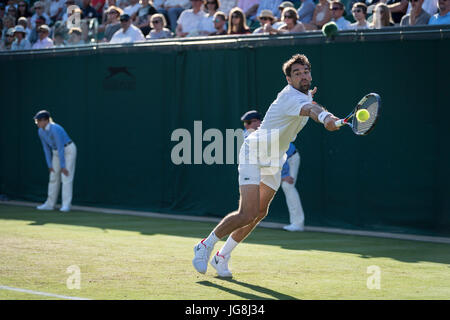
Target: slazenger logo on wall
119, 79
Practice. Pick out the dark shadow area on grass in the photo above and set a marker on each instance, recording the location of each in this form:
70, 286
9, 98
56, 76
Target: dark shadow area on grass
363, 246
246, 295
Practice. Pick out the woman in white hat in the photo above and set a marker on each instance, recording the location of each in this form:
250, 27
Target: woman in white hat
21, 42
266, 19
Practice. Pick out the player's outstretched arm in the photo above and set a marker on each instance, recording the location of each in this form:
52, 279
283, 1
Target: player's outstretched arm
319, 114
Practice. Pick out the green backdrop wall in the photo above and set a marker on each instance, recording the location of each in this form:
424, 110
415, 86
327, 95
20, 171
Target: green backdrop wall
121, 105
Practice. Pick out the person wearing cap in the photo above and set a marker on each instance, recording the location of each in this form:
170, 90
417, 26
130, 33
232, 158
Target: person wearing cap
21, 42
266, 19
112, 23
60, 155
44, 42
128, 32
306, 11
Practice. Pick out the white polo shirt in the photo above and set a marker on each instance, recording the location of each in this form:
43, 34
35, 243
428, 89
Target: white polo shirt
133, 34
190, 21
282, 122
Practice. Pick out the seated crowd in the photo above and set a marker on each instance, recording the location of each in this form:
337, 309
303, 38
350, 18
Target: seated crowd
28, 24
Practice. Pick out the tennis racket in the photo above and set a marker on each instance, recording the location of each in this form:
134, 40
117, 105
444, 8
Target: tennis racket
371, 102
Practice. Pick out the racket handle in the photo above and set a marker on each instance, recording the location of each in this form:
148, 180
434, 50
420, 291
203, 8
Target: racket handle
339, 123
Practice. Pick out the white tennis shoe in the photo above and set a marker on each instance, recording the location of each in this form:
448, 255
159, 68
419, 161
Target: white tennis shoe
201, 256
293, 228
220, 263
64, 209
45, 206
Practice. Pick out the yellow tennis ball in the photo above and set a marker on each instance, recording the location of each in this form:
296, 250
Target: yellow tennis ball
362, 115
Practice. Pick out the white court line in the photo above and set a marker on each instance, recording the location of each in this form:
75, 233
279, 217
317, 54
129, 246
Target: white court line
264, 224
41, 293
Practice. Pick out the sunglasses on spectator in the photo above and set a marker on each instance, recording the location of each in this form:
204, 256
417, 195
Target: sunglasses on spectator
210, 2
356, 10
217, 20
156, 21
264, 18
288, 16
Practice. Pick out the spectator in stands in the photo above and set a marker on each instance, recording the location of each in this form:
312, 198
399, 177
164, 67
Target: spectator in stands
88, 11
21, 42
250, 7
279, 19
292, 25
33, 36
207, 24
24, 23
227, 5
43, 41
23, 9
143, 16
12, 12
55, 10
128, 32
322, 15
443, 17
158, 25
7, 42
281, 7
417, 16
98, 5
112, 15
359, 12
108, 3
75, 37
337, 13
381, 17
39, 8
306, 11
189, 22
401, 7
112, 24
8, 23
173, 10
237, 23
132, 9
219, 24
266, 20
58, 40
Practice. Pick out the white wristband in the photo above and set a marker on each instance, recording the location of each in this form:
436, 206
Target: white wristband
323, 115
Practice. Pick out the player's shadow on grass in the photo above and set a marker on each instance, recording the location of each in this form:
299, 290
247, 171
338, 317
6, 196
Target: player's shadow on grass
246, 295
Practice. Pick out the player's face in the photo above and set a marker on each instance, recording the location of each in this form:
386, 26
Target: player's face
300, 78
41, 123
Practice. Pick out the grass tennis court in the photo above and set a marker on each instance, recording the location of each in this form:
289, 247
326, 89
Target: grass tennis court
127, 257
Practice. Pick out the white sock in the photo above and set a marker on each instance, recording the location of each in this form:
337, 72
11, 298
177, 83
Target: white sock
211, 240
229, 245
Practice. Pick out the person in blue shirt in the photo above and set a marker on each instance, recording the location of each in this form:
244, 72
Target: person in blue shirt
252, 121
60, 155
288, 179
443, 17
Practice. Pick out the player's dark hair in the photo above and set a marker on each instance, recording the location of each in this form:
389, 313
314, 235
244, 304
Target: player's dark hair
298, 58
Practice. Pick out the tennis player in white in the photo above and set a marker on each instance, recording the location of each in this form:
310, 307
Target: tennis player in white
259, 168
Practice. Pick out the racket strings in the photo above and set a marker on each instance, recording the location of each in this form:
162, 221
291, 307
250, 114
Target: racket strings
371, 105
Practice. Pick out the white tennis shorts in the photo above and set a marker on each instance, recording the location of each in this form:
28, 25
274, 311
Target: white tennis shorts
251, 172
254, 174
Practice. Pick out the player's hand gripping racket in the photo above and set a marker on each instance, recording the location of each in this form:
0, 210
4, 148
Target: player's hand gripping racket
363, 118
